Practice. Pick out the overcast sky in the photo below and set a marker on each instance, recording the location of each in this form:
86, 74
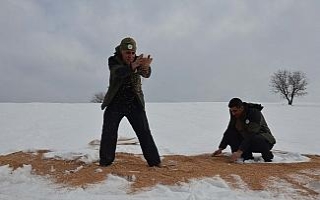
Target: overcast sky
206, 50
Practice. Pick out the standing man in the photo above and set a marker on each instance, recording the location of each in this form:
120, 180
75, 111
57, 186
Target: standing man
247, 132
124, 98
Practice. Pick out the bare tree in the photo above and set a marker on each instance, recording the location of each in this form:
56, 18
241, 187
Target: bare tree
289, 84
97, 98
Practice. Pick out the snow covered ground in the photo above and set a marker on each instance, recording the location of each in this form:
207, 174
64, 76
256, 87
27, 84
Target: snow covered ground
178, 128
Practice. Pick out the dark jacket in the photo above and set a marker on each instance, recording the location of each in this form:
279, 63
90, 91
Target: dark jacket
119, 72
252, 122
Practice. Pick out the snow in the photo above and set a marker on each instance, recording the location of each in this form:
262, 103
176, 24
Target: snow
178, 128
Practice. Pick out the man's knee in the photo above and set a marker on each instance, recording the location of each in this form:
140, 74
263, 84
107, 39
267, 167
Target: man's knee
259, 144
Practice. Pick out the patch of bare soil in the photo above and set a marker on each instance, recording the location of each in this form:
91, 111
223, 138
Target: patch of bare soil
176, 169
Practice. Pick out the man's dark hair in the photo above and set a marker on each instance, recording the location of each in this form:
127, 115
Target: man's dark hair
235, 102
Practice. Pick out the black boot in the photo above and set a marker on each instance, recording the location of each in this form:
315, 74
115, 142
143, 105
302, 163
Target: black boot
247, 156
268, 156
104, 163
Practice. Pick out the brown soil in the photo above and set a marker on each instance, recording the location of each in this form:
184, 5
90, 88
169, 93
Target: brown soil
176, 169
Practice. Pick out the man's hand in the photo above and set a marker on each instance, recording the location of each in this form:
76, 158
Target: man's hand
236, 155
217, 152
145, 62
137, 62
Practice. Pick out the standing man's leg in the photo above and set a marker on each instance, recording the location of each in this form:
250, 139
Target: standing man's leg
139, 122
108, 143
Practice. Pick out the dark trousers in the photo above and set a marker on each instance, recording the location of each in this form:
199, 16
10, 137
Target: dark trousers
138, 119
256, 144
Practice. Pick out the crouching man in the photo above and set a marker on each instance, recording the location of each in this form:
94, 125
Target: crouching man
247, 132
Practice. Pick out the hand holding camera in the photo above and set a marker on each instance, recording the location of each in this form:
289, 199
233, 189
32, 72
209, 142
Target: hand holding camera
137, 62
145, 62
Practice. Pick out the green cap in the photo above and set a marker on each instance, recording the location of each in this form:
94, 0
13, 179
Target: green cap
128, 44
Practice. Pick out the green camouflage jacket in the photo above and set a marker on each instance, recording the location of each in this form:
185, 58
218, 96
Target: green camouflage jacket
119, 71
